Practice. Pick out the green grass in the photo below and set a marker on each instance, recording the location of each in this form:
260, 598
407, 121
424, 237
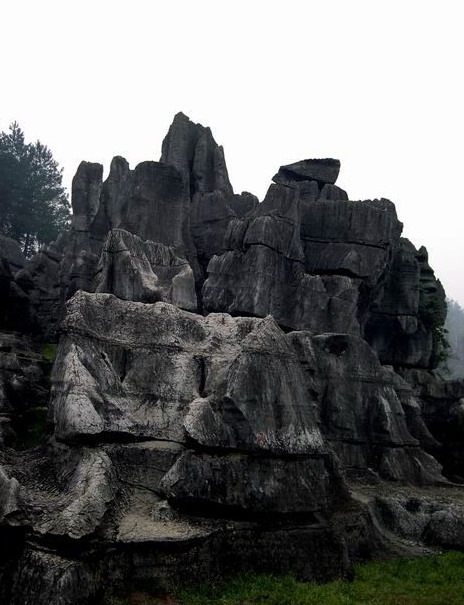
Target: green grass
436, 580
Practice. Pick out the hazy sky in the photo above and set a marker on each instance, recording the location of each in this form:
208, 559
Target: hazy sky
377, 84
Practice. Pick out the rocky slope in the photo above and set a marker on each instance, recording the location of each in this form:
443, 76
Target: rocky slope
236, 386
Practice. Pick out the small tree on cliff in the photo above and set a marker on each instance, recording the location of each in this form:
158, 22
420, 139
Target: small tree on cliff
34, 206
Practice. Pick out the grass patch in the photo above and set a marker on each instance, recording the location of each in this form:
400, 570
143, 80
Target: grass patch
435, 580
49, 351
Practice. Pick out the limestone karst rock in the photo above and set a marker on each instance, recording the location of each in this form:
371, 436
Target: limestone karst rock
192, 149
324, 172
237, 385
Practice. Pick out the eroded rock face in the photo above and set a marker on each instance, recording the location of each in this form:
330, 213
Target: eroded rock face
306, 255
410, 306
367, 413
264, 272
185, 202
134, 269
237, 386
192, 149
173, 427
324, 172
12, 253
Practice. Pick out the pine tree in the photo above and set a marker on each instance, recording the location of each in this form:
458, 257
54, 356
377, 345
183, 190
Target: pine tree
34, 206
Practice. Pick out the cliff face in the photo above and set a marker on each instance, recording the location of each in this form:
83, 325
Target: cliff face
229, 378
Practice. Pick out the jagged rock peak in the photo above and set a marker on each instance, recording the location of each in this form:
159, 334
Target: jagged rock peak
191, 148
324, 171
86, 188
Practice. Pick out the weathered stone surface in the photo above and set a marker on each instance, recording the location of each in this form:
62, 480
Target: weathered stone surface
45, 577
209, 219
414, 521
151, 372
198, 384
442, 409
323, 171
15, 305
166, 366
138, 270
372, 222
116, 197
243, 203
23, 387
228, 483
161, 204
362, 409
446, 528
86, 188
151, 202
11, 251
263, 272
50, 285
192, 149
408, 309
332, 192
269, 435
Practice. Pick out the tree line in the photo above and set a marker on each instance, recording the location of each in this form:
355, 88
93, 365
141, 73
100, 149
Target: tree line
34, 205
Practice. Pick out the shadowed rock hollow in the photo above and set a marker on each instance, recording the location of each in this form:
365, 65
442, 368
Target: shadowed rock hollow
237, 385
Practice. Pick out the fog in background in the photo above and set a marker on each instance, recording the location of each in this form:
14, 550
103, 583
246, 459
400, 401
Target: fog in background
377, 85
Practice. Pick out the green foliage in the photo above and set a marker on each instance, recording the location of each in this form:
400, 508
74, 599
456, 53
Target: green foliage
432, 312
443, 347
34, 205
49, 351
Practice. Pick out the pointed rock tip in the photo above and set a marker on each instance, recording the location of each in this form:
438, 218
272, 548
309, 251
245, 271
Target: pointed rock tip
181, 116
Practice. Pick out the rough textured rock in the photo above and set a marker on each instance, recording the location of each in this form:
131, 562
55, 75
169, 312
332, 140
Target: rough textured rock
15, 304
168, 375
10, 250
24, 389
192, 149
367, 413
442, 408
144, 271
263, 272
404, 321
215, 414
237, 386
184, 202
323, 171
150, 202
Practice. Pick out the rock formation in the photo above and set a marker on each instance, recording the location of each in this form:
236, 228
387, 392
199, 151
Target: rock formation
237, 385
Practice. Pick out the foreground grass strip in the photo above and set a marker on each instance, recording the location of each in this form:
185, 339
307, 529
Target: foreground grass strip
435, 580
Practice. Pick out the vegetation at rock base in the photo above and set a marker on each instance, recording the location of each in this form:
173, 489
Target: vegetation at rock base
433, 580
49, 351
433, 313
454, 367
34, 206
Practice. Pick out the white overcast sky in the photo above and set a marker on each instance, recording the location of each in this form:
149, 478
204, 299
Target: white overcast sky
377, 84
